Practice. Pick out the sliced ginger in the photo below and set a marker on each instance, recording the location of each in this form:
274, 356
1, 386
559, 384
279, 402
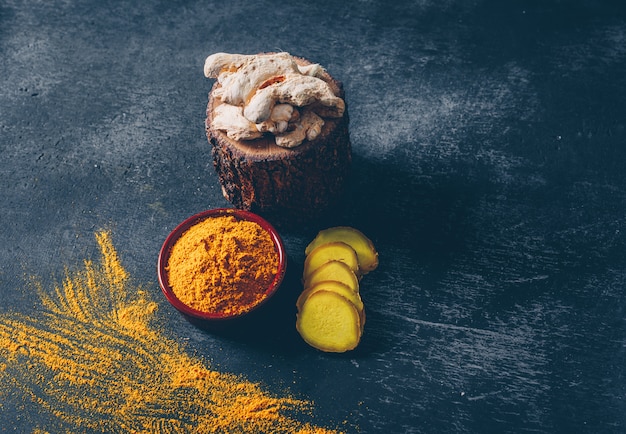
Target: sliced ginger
333, 286
329, 322
332, 251
331, 314
366, 252
333, 270
339, 288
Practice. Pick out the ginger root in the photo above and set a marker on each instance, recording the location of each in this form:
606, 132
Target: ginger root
230, 118
296, 90
309, 127
262, 86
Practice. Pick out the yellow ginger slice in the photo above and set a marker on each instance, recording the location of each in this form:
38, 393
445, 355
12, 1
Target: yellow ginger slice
333, 270
339, 288
363, 246
334, 251
329, 322
333, 286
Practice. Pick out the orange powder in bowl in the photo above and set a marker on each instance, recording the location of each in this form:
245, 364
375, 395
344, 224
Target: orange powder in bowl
222, 265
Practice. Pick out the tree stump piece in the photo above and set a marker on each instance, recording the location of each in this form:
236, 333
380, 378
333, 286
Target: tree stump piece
289, 183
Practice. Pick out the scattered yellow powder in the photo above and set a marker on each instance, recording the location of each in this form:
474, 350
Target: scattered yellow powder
91, 360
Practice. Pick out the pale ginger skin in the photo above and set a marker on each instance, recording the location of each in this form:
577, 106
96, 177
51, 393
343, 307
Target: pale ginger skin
280, 117
309, 127
275, 96
230, 119
296, 90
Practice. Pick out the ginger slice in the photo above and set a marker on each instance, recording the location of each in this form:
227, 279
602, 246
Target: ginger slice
339, 288
308, 127
363, 246
333, 270
333, 286
332, 251
329, 322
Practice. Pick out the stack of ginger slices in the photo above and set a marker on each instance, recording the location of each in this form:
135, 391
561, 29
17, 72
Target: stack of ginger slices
331, 314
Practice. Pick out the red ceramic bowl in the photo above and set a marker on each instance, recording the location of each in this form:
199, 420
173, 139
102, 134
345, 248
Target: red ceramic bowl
191, 221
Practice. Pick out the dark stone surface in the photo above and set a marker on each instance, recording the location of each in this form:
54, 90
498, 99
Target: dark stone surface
489, 145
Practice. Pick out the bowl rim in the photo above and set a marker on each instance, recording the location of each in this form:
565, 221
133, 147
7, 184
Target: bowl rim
182, 227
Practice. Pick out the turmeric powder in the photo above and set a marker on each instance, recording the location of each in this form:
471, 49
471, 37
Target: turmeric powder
222, 265
90, 359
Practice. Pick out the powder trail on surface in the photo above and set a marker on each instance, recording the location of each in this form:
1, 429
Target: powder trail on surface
91, 360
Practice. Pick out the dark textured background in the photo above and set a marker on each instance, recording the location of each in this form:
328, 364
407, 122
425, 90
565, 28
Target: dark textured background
489, 151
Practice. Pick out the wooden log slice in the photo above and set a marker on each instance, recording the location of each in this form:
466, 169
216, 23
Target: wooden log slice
286, 183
